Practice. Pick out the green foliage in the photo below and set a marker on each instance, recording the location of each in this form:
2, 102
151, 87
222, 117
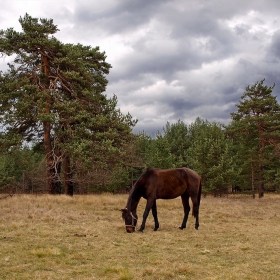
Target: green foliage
178, 141
210, 154
156, 152
15, 166
7, 171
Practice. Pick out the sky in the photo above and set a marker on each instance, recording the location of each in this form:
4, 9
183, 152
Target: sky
171, 60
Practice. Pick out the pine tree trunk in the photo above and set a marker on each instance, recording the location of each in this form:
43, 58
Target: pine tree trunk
53, 183
68, 182
261, 190
53, 168
253, 178
262, 146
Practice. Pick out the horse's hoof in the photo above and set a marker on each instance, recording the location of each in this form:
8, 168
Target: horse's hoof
140, 231
181, 228
155, 229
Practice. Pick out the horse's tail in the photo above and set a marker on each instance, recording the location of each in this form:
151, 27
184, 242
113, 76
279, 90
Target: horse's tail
199, 193
195, 211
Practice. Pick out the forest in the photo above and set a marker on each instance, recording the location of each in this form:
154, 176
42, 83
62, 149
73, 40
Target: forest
60, 133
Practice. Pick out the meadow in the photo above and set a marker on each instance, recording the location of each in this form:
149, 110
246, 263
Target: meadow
83, 237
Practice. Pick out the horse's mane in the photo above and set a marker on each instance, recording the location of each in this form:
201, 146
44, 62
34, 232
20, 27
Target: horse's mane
134, 187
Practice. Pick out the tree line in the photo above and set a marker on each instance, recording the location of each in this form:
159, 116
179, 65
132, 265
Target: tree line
60, 133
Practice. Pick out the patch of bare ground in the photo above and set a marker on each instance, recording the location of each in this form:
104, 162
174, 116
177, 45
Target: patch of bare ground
59, 237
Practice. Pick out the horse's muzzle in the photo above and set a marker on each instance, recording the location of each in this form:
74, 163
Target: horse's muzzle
130, 229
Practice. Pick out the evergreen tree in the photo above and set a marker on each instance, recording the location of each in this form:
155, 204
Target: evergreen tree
210, 154
257, 125
53, 93
177, 138
15, 167
156, 152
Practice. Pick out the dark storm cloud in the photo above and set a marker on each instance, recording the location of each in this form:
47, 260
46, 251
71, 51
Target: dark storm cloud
275, 47
119, 17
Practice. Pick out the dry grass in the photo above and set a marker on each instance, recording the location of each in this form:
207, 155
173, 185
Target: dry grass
58, 237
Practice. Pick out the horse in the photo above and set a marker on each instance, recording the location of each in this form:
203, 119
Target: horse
156, 184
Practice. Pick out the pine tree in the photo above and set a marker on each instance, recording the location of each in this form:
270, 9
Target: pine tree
210, 155
257, 124
159, 154
53, 93
176, 136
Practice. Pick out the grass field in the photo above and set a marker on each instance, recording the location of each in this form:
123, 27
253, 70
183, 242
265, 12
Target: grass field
58, 237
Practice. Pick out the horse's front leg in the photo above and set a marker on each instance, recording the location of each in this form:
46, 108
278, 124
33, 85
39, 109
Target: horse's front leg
149, 205
154, 212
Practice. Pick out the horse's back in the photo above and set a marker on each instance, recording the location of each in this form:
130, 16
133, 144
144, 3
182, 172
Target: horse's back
169, 183
181, 180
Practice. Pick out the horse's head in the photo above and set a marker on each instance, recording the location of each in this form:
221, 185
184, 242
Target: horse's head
130, 220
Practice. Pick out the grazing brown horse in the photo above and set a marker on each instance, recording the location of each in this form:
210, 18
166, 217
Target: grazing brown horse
156, 184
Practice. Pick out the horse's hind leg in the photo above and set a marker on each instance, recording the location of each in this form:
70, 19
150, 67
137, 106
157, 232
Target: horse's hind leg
154, 212
195, 211
186, 204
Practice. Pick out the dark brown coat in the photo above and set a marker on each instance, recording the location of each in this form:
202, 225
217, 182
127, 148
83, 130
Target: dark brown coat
156, 184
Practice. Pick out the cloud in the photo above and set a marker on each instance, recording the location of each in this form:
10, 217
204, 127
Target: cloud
171, 59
